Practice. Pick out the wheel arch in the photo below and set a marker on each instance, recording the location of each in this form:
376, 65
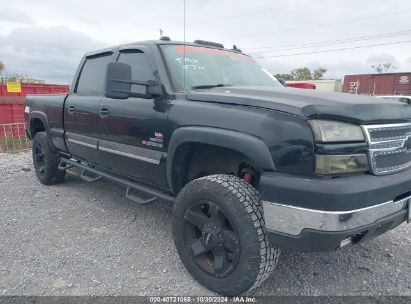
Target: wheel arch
251, 147
37, 122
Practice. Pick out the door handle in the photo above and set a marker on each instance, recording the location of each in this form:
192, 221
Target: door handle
104, 112
72, 109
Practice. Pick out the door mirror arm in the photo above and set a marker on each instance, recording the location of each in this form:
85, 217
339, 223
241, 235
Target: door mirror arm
154, 86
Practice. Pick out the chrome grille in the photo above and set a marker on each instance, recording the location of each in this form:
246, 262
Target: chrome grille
389, 146
389, 133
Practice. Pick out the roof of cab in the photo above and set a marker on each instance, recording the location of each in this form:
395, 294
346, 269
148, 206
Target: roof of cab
152, 42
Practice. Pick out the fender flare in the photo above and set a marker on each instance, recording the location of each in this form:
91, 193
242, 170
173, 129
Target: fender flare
250, 146
38, 115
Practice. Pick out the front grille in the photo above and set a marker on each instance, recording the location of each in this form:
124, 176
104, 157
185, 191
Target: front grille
390, 133
389, 147
392, 160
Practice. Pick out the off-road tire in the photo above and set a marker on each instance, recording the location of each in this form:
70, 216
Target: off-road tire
47, 172
242, 203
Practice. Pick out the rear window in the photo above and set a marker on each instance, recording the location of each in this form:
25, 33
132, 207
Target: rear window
93, 73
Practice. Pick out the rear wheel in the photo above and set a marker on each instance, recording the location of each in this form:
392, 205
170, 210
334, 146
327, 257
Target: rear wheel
46, 160
219, 232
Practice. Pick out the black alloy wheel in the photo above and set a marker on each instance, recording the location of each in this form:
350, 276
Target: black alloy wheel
39, 158
46, 160
219, 233
211, 239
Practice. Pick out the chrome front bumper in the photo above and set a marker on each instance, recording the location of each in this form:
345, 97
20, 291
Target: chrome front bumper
293, 220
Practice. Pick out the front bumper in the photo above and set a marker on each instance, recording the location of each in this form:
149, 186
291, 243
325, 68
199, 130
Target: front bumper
329, 224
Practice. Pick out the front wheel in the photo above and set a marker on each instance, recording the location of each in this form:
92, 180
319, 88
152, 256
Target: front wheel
46, 160
218, 228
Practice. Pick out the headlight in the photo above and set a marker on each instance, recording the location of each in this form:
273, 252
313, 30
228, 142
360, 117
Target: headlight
333, 164
332, 131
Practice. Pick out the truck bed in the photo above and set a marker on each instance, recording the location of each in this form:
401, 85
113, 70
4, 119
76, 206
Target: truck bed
53, 105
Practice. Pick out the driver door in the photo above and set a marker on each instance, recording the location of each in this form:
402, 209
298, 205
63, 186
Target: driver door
131, 131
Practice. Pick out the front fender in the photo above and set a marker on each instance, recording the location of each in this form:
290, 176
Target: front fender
250, 146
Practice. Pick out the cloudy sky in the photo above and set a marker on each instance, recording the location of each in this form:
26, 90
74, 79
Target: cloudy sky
45, 39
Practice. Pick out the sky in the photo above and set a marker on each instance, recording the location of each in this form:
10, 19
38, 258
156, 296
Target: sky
46, 39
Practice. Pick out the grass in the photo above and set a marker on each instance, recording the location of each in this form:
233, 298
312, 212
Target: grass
14, 144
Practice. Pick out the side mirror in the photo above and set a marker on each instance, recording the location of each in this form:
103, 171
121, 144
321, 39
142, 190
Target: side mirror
118, 77
119, 81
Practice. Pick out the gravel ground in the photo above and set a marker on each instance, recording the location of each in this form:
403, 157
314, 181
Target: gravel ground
78, 238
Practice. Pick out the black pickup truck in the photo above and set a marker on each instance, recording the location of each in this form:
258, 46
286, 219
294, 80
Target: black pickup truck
249, 166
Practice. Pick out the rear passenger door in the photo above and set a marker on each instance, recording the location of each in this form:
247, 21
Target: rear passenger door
82, 105
132, 130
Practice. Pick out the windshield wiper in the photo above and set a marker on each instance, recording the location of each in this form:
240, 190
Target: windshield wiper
210, 86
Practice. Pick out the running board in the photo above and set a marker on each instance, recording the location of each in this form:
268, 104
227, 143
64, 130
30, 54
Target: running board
130, 185
89, 179
137, 199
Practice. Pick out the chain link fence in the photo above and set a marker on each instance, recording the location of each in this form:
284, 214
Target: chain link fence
13, 136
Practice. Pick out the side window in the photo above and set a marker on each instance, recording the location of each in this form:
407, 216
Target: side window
92, 76
140, 68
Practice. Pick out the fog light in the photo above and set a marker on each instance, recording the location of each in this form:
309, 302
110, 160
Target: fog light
332, 164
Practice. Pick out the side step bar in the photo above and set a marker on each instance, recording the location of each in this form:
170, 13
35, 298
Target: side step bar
137, 199
87, 178
66, 163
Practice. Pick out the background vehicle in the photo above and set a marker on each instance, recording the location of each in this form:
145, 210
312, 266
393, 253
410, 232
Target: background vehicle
401, 98
250, 166
302, 85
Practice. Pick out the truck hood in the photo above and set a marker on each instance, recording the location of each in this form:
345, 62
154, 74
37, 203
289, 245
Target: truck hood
310, 104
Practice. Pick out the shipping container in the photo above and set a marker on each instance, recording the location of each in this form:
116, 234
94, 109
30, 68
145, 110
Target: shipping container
378, 84
12, 106
35, 88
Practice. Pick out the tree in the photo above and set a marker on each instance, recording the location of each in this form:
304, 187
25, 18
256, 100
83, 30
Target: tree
319, 72
301, 74
384, 67
2, 68
284, 76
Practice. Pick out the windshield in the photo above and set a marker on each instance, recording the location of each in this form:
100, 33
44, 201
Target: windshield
206, 68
